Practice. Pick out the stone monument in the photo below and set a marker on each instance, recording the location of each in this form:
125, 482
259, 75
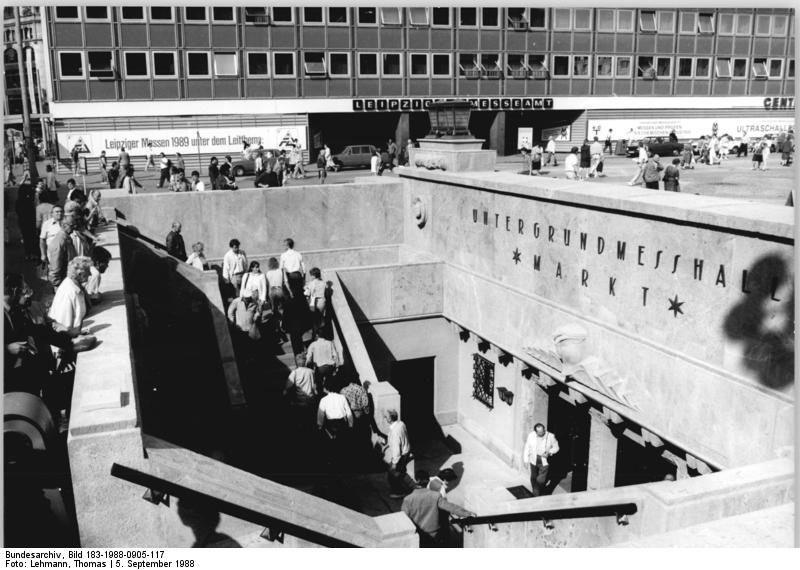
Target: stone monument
450, 146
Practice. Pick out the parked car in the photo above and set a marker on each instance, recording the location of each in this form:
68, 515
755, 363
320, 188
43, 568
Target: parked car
354, 156
657, 145
246, 167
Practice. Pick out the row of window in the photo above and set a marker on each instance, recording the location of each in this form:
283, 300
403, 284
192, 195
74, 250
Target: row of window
566, 19
204, 64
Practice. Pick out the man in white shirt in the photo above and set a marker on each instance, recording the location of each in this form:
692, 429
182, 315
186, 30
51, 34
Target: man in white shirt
294, 270
300, 386
539, 447
550, 149
50, 229
334, 414
399, 454
234, 265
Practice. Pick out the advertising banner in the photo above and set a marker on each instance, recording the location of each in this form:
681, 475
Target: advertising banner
525, 137
560, 134
218, 140
691, 128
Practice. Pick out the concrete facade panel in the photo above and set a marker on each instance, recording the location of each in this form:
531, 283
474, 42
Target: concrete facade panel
391, 87
490, 40
68, 35
683, 87
365, 87
581, 43
467, 40
686, 44
441, 39
514, 87
339, 88
441, 87
315, 88
313, 38
665, 43
419, 38
604, 43
647, 44
777, 47
136, 89
741, 46
738, 88
98, 35
562, 41
166, 89
102, 90
72, 90
199, 89
391, 38
517, 41
705, 44
257, 88
663, 87
467, 86
338, 38
537, 87
282, 36
760, 47
196, 35
626, 43
604, 86
284, 88
623, 86
367, 38
418, 86
162, 35
223, 36
560, 87
133, 35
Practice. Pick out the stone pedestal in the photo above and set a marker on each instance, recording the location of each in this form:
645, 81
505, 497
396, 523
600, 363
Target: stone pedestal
452, 155
602, 454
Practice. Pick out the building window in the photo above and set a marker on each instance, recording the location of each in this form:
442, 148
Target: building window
367, 16
790, 70
605, 20
702, 67
779, 25
763, 25
197, 64
775, 68
96, 12
562, 19
583, 19
560, 66
580, 66
725, 25
339, 64
338, 16
624, 66
515, 66
67, 13
666, 22
164, 64
391, 16
136, 65
723, 67
688, 22
538, 18
195, 14
490, 65
441, 17
685, 66
537, 63
314, 63
160, 14
71, 64
391, 65
740, 67
604, 66
222, 15
226, 64
418, 16
283, 64
647, 21
744, 24
441, 65
132, 13
644, 67
101, 64
257, 64
760, 68
368, 65
282, 15
483, 380
664, 67
625, 20
468, 65
312, 15
256, 15
467, 17
490, 17
705, 23
516, 18
418, 64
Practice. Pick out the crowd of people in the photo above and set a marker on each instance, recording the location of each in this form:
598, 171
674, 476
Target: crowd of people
44, 334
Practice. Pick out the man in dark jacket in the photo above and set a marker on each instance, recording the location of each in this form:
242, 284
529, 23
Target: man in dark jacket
174, 242
429, 511
60, 252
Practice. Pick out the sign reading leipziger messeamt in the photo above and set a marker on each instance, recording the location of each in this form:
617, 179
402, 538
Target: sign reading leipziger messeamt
183, 140
481, 104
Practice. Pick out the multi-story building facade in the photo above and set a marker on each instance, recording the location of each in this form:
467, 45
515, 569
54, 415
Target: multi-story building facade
189, 76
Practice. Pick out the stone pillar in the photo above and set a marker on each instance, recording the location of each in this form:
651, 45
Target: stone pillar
602, 453
403, 131
497, 133
541, 404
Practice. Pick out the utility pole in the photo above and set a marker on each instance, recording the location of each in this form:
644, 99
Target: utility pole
30, 152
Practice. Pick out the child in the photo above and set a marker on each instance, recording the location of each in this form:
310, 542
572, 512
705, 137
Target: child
315, 292
687, 160
375, 162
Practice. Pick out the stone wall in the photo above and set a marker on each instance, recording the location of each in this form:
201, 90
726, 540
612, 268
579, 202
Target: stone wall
706, 350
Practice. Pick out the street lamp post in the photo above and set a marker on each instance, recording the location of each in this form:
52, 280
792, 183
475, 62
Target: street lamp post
30, 153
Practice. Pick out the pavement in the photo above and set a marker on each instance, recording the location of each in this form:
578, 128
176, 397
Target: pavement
733, 178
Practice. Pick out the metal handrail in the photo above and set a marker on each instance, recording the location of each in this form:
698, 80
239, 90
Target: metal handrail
626, 507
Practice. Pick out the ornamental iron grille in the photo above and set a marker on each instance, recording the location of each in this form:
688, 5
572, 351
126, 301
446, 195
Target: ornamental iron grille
483, 380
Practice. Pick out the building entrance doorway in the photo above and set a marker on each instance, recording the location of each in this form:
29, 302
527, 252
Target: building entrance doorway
570, 425
413, 379
640, 464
